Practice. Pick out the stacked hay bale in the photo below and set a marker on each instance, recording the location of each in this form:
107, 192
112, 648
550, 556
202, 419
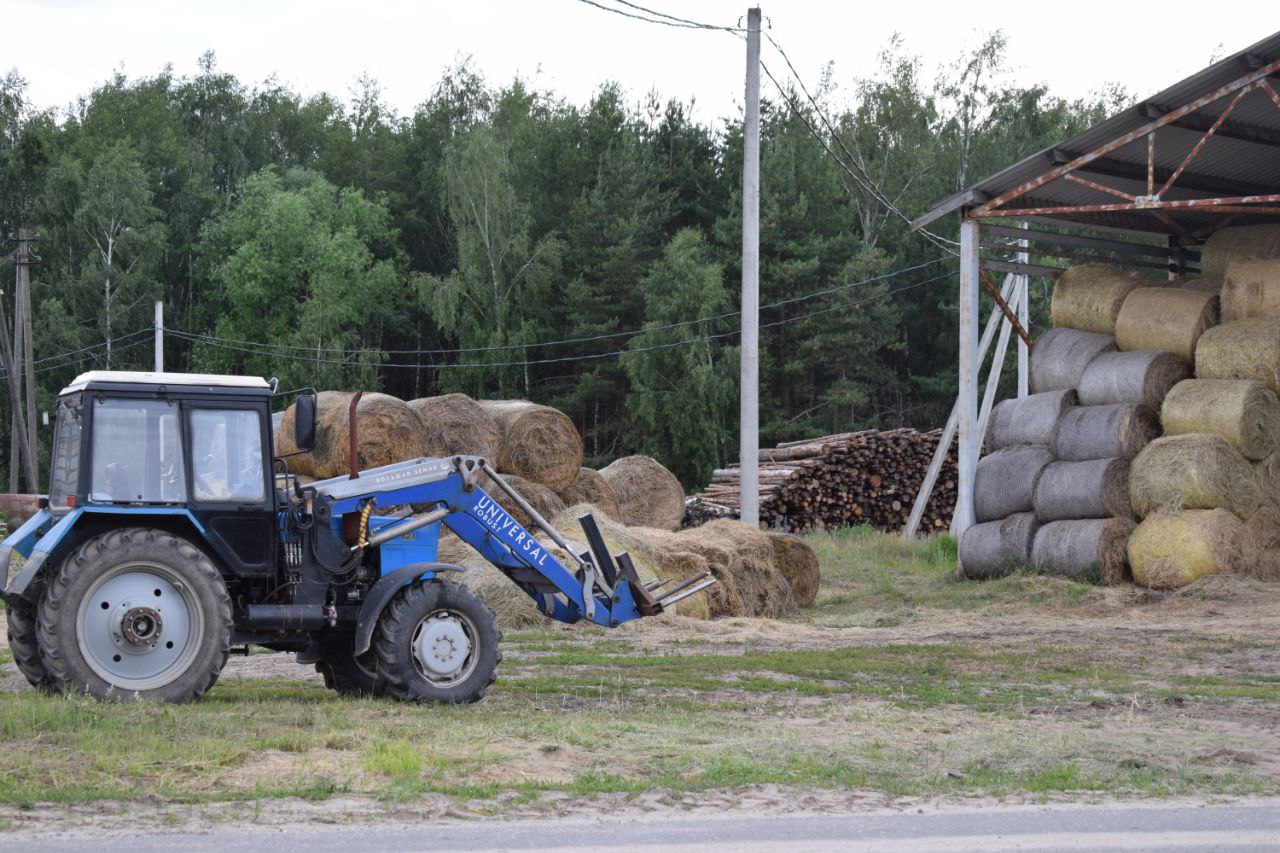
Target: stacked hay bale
1054, 491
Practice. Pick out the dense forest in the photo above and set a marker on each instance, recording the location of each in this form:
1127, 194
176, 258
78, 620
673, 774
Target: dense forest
505, 242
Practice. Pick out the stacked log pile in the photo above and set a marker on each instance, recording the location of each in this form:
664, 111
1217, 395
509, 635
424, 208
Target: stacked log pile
869, 477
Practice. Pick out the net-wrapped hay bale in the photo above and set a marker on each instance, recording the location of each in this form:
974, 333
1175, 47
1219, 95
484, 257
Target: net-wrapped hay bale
1202, 285
1246, 242
1104, 432
543, 501
588, 487
1060, 357
539, 443
1095, 488
1005, 480
1029, 420
455, 424
996, 548
1243, 412
1171, 549
1089, 297
1243, 349
1180, 472
1085, 549
648, 494
1142, 376
1251, 288
798, 563
387, 429
1165, 318
764, 590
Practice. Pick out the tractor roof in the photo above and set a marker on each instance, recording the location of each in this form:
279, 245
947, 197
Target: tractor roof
114, 379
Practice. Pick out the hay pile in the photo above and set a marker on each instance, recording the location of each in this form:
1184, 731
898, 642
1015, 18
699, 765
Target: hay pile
1192, 472
387, 429
1060, 356
1245, 413
1079, 548
1169, 319
1251, 288
590, 488
1172, 549
996, 548
1143, 377
648, 494
1029, 420
1089, 297
539, 443
799, 565
1243, 349
1104, 432
1242, 243
456, 424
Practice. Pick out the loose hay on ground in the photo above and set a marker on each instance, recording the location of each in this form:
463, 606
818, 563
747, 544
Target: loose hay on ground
1143, 377
1169, 550
1089, 297
455, 424
1245, 413
648, 494
539, 443
1060, 356
1196, 471
1165, 318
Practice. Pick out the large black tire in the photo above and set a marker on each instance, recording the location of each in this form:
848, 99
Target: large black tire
442, 609
343, 672
162, 592
20, 615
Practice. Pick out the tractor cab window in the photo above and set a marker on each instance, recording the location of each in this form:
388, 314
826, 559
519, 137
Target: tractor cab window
64, 479
226, 455
137, 452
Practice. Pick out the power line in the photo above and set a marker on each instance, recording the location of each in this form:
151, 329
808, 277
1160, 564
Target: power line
136, 343
564, 359
660, 17
588, 339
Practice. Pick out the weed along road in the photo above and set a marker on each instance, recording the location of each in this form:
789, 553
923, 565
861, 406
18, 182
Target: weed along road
1177, 827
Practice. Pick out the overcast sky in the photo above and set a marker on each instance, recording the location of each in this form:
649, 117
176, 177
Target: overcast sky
65, 47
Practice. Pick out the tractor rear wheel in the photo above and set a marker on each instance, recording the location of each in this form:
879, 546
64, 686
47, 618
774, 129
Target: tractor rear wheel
436, 641
136, 613
345, 673
20, 615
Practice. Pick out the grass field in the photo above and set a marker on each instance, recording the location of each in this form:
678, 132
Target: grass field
900, 679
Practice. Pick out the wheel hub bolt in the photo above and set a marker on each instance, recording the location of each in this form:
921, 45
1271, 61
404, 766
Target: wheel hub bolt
142, 626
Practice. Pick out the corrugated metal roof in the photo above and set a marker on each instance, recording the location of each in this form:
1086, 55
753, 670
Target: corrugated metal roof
1242, 158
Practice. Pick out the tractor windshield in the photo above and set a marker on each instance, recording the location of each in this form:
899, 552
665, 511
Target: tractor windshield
137, 452
64, 477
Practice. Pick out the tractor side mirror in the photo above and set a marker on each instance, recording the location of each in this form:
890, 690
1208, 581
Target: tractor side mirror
304, 423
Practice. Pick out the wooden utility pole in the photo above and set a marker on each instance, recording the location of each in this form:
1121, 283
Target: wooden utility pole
22, 437
749, 403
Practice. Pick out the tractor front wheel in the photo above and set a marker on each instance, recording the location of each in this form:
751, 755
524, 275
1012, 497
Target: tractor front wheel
436, 641
345, 673
136, 613
20, 615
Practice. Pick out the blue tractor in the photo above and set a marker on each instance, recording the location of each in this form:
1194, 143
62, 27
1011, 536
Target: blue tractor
173, 532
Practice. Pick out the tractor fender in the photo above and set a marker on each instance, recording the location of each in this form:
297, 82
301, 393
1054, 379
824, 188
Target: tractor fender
36, 558
383, 591
23, 540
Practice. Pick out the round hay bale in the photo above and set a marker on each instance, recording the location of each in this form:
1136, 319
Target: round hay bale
1266, 473
1084, 549
1251, 288
723, 599
1104, 432
1244, 242
1192, 472
1202, 285
648, 494
764, 590
1143, 377
455, 424
387, 429
997, 548
797, 562
1060, 356
1029, 420
1095, 488
1260, 554
1243, 349
539, 443
590, 488
1088, 297
511, 606
1243, 412
1170, 550
544, 501
1005, 481
1165, 318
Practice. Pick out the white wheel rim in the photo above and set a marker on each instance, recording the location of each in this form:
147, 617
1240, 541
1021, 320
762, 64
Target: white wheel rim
445, 650
139, 626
